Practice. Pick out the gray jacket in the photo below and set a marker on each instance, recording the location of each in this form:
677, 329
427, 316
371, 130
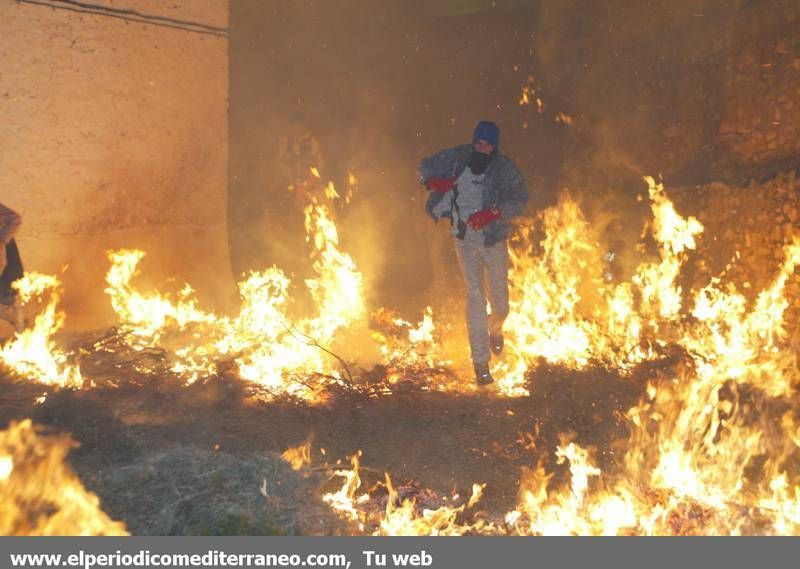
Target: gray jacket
505, 187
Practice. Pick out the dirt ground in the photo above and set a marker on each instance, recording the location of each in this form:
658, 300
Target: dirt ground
444, 441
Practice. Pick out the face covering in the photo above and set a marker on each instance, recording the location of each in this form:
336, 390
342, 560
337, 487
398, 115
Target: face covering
478, 161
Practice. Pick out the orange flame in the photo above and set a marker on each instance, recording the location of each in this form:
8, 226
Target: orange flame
267, 347
33, 352
39, 492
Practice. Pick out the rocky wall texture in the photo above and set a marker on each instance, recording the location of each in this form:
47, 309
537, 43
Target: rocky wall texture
114, 134
696, 90
746, 229
760, 124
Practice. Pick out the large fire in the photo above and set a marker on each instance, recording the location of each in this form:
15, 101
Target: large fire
268, 348
563, 311
699, 458
711, 444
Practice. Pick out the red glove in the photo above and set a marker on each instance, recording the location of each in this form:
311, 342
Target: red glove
482, 218
441, 185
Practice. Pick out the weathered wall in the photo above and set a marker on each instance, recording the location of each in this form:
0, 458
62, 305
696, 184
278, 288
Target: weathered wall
746, 230
698, 90
760, 124
114, 134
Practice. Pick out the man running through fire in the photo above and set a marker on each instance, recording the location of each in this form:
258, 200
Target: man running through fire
481, 191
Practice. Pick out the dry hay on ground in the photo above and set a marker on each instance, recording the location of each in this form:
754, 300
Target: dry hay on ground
190, 491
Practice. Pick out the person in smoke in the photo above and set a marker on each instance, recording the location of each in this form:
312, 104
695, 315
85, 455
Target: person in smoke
10, 267
481, 191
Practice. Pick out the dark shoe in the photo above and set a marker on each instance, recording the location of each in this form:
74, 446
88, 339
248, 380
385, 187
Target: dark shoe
482, 374
496, 342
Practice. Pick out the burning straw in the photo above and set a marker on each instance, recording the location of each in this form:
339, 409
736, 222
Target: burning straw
703, 456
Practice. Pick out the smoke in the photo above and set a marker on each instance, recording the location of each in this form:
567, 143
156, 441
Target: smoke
623, 91
381, 87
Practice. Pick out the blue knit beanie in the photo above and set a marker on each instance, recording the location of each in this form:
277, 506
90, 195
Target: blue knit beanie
488, 131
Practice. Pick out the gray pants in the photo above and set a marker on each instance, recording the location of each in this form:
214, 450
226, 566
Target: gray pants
481, 265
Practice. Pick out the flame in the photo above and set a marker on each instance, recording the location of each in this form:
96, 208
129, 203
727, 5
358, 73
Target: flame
40, 493
696, 436
400, 340
299, 456
528, 91
675, 235
267, 347
400, 518
561, 309
706, 438
33, 352
412, 350
344, 501
338, 288
568, 512
351, 188
330, 191
564, 118
563, 312
405, 520
712, 444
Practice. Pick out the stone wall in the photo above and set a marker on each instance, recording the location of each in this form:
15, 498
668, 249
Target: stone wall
696, 90
760, 125
114, 134
746, 229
